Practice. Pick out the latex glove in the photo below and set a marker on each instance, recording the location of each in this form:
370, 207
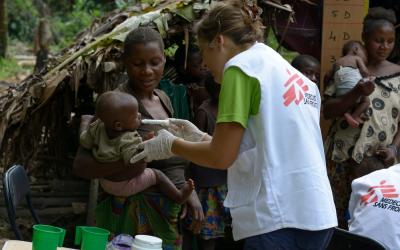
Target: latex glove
157, 148
185, 130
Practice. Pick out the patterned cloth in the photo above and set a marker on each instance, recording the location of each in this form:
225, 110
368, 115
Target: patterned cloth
379, 130
145, 213
216, 216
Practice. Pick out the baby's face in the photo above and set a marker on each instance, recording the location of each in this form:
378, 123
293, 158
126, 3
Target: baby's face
195, 67
132, 118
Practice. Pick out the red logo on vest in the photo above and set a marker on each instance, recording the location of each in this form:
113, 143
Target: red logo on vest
296, 89
387, 191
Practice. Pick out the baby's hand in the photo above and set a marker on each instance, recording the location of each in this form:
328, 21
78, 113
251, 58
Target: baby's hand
88, 118
366, 86
148, 136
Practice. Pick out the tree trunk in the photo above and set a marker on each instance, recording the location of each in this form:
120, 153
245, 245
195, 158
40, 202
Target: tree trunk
3, 28
42, 44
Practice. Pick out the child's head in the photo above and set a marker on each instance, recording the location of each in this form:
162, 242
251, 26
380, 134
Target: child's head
144, 58
212, 87
194, 69
308, 66
354, 48
118, 111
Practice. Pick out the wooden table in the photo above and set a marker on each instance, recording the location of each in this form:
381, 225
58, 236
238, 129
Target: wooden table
24, 245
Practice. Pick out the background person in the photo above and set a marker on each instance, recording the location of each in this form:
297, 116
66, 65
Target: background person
352, 149
149, 212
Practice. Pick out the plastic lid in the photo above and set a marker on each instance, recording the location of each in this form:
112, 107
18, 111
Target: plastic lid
147, 241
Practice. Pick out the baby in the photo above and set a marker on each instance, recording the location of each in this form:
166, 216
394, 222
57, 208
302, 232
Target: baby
347, 72
113, 137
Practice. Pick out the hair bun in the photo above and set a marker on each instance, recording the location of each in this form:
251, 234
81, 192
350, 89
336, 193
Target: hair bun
379, 13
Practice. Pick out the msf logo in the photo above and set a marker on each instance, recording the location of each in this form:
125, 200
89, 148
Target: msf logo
296, 88
387, 191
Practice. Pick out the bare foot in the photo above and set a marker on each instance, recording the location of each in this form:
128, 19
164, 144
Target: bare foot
186, 191
351, 121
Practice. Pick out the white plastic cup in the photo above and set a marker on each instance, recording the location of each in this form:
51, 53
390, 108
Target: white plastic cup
146, 242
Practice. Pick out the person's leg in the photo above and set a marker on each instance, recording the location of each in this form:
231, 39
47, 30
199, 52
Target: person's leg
312, 240
207, 244
351, 120
188, 239
360, 108
130, 187
274, 240
168, 188
290, 239
161, 214
215, 215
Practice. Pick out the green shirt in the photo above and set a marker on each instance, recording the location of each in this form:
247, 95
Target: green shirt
239, 97
178, 95
123, 147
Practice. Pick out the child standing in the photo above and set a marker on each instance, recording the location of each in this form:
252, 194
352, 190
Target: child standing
114, 137
211, 182
308, 66
347, 71
192, 74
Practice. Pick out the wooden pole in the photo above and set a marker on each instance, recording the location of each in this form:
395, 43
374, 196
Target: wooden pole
92, 202
3, 28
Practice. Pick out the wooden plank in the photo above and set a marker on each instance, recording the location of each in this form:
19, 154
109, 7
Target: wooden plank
24, 245
342, 22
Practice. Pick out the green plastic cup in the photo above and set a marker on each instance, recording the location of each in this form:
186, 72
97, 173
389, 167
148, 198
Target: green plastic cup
91, 238
46, 237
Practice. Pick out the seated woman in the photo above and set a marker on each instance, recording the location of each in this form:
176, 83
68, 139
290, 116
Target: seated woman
149, 212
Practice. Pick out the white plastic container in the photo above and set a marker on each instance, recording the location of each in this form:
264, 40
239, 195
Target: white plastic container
146, 242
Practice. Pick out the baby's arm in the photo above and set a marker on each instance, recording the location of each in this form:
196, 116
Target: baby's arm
128, 149
87, 167
362, 68
86, 133
85, 122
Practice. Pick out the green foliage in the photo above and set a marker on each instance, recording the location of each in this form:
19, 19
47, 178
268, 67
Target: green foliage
22, 19
171, 50
8, 68
123, 4
274, 43
66, 26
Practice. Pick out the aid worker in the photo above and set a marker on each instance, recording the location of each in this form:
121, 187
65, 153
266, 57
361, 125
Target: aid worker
267, 136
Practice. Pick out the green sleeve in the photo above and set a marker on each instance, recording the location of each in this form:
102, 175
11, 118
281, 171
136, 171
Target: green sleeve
239, 97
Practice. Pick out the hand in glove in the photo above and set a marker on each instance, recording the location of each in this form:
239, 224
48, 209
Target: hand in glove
185, 130
157, 148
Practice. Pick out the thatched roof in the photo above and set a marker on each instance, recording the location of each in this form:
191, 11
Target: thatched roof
38, 121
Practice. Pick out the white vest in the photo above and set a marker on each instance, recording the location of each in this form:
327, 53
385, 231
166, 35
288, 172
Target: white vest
279, 178
375, 206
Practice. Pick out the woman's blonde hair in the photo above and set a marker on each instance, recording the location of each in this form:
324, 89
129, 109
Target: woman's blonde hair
232, 19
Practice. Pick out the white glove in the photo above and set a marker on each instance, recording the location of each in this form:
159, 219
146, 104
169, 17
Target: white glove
185, 130
157, 148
